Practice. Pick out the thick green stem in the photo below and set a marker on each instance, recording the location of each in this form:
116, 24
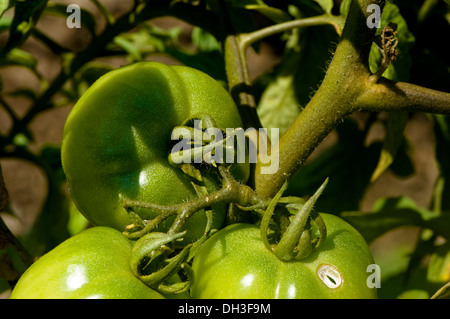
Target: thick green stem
237, 68
387, 95
239, 82
231, 192
332, 102
236, 61
347, 87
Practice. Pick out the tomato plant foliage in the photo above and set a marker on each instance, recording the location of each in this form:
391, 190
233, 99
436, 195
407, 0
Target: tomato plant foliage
347, 99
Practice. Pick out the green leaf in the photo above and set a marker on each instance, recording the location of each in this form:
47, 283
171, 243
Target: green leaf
5, 23
395, 126
439, 266
374, 224
442, 135
272, 13
22, 58
326, 5
391, 213
146, 40
133, 51
4, 5
345, 6
278, 105
397, 71
206, 57
414, 294
392, 252
204, 41
19, 57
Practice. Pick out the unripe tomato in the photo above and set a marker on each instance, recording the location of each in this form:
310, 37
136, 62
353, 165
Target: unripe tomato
117, 139
92, 264
235, 263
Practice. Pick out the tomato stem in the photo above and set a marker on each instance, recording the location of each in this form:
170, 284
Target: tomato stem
163, 211
347, 87
231, 192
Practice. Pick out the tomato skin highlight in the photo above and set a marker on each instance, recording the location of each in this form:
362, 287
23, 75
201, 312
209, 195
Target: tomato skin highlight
235, 264
117, 138
93, 264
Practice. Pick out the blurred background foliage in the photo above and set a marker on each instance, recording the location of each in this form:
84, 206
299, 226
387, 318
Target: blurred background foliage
388, 173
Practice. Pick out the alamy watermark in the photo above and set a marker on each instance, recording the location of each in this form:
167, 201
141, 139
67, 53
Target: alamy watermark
373, 20
374, 279
74, 19
233, 145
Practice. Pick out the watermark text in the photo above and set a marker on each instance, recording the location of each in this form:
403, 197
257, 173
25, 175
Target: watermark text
235, 146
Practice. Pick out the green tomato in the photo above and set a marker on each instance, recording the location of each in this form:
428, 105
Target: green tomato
235, 263
117, 139
92, 264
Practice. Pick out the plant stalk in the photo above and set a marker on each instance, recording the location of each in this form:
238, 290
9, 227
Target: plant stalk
346, 88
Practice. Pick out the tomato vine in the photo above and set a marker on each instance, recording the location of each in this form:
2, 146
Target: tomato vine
368, 73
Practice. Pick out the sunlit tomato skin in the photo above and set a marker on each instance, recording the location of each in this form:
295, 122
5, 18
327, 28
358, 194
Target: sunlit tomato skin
92, 264
117, 139
234, 263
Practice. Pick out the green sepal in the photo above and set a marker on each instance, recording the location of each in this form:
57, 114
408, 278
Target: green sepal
150, 246
293, 243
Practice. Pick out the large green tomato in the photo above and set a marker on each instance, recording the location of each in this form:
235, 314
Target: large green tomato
92, 264
235, 263
117, 139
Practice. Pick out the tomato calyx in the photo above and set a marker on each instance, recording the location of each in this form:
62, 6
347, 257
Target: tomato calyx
198, 161
152, 263
231, 192
296, 241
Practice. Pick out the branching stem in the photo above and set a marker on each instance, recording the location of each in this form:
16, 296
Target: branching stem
231, 192
348, 86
